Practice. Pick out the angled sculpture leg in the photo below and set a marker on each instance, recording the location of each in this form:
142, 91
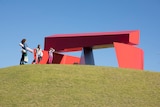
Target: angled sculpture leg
65, 59
87, 56
129, 56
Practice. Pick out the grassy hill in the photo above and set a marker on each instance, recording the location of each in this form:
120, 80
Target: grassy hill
78, 86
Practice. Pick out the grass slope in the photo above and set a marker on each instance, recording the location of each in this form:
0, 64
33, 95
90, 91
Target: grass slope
78, 86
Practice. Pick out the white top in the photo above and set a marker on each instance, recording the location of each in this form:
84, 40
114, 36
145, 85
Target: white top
39, 52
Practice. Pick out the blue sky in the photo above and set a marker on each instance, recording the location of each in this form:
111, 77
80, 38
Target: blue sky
36, 19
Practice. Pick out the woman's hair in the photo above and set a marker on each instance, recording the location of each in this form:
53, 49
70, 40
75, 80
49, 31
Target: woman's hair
38, 46
23, 40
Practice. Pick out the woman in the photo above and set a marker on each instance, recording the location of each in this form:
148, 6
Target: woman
24, 58
39, 54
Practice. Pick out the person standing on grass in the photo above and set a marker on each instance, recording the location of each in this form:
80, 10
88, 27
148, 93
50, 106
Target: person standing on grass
50, 54
24, 58
38, 55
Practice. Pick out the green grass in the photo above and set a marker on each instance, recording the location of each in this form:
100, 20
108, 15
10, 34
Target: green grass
78, 86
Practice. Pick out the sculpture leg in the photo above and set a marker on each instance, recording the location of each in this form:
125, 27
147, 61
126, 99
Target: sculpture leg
129, 56
87, 56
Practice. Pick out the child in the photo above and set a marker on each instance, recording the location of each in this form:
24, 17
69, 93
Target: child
50, 54
38, 54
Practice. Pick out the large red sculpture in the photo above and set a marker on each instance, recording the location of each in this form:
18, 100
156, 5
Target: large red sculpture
128, 55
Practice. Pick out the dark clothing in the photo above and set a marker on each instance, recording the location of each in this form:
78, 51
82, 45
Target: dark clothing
22, 58
39, 59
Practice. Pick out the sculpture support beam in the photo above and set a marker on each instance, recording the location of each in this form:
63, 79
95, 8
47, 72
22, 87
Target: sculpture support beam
87, 56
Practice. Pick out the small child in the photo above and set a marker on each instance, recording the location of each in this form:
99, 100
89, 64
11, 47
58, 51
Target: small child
50, 54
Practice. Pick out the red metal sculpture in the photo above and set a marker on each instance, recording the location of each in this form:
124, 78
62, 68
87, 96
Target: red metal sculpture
128, 55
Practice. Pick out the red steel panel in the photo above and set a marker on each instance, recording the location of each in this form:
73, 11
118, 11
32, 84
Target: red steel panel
129, 56
134, 37
65, 59
62, 42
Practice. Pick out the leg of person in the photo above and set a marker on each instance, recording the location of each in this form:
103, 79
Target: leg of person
33, 62
22, 60
49, 60
39, 59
